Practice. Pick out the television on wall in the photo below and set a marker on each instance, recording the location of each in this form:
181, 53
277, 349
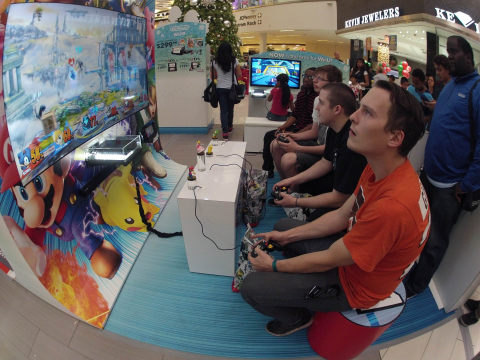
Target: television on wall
265, 71
69, 73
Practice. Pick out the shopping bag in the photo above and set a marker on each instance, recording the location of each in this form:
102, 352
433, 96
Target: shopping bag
244, 267
254, 196
298, 213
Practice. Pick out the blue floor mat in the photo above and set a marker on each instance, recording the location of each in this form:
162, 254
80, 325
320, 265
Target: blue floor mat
164, 304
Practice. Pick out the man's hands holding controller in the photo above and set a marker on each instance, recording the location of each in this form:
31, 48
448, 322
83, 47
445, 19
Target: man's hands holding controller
290, 146
263, 261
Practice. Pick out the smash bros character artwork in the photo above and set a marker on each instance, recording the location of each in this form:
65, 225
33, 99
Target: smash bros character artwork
122, 211
51, 202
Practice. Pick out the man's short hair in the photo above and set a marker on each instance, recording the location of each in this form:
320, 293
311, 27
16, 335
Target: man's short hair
441, 60
341, 94
391, 77
418, 73
403, 80
464, 45
405, 114
312, 68
333, 73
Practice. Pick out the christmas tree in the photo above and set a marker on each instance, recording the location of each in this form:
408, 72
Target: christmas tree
219, 15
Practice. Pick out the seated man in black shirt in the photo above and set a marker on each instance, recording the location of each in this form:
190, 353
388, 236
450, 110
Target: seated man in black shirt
336, 104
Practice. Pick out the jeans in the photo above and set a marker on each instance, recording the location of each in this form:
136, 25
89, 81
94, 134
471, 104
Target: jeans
444, 210
267, 153
282, 295
226, 109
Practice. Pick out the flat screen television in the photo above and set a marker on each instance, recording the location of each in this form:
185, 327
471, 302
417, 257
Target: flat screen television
69, 73
265, 71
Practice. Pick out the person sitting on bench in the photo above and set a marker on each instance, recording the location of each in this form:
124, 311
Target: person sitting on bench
387, 221
333, 178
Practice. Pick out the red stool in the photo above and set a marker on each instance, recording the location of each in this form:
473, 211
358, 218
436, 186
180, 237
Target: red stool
345, 335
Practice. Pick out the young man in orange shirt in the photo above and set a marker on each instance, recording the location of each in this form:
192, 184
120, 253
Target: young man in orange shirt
387, 221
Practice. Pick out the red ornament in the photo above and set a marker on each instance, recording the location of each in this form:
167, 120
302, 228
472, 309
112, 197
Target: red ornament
404, 64
388, 69
384, 65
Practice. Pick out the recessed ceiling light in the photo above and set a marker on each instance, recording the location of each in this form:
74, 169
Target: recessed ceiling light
410, 38
416, 31
407, 32
422, 38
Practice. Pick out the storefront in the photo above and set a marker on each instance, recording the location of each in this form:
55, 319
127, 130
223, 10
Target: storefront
414, 31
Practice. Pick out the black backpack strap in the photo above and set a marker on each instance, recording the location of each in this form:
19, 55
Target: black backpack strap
233, 70
473, 127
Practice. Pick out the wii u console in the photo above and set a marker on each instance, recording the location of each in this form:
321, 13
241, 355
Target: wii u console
180, 50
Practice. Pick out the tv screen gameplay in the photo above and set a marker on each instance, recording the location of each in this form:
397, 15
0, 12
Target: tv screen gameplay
69, 73
264, 72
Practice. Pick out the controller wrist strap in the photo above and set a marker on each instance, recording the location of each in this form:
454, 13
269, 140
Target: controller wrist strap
146, 222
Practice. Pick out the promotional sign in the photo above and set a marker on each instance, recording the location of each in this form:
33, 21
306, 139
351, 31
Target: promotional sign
392, 43
368, 42
81, 248
458, 17
307, 59
180, 47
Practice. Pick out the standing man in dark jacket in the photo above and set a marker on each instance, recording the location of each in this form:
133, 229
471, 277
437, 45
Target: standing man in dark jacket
449, 172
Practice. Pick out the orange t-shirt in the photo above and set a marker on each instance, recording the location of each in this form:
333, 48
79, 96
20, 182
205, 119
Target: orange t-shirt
388, 226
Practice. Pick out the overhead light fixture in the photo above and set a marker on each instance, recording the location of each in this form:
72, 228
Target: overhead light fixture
286, 30
422, 38
407, 32
400, 32
322, 40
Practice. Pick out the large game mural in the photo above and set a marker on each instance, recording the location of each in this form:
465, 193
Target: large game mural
71, 73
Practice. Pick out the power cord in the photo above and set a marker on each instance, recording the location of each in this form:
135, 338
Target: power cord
146, 222
201, 225
251, 166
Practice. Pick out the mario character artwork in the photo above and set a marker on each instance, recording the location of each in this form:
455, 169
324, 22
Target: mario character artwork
122, 209
51, 202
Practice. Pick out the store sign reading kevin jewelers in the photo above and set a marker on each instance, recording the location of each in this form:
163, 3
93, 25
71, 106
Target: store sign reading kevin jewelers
376, 16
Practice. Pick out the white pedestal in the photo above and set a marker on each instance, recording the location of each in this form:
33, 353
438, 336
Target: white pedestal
254, 130
217, 209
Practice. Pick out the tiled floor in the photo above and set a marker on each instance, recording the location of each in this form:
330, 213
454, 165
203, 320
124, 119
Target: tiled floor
32, 329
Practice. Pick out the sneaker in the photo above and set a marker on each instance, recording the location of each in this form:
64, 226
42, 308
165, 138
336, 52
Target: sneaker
468, 319
472, 305
270, 174
225, 136
271, 202
230, 129
277, 328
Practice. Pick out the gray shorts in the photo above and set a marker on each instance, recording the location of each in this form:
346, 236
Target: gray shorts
305, 161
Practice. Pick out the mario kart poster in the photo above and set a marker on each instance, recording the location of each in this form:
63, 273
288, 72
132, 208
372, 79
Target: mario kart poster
81, 249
